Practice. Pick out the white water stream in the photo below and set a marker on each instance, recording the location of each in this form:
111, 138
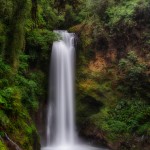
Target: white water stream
61, 134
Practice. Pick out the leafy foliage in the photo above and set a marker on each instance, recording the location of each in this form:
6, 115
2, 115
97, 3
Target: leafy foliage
126, 118
134, 76
19, 93
39, 42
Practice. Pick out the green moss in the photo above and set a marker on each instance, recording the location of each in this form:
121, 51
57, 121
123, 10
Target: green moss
2, 146
17, 97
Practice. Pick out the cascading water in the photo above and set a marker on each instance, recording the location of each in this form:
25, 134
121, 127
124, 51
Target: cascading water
61, 108
60, 132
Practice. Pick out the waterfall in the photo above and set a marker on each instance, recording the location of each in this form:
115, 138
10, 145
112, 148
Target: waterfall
61, 109
60, 132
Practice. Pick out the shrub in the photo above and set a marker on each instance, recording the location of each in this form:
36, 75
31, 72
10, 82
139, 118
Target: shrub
133, 76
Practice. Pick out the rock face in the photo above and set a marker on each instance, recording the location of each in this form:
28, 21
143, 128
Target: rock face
95, 135
98, 137
98, 64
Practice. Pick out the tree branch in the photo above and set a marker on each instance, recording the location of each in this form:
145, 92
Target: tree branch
13, 143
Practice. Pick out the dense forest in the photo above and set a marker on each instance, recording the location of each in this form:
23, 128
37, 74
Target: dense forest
112, 69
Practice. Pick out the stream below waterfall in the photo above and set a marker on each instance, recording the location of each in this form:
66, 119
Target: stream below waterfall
60, 125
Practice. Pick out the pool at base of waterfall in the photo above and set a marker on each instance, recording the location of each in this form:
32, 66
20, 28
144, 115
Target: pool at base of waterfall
72, 147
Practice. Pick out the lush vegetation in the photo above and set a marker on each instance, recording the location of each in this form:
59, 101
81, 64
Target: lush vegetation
113, 77
25, 39
113, 81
